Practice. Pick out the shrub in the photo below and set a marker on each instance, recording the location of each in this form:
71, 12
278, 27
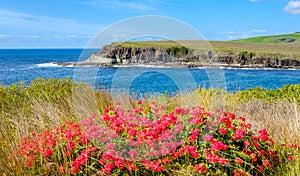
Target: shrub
148, 140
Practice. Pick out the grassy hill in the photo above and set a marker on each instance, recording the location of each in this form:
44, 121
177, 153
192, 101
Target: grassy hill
283, 46
285, 38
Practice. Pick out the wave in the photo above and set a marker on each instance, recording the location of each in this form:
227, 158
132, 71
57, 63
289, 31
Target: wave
245, 68
143, 66
266, 69
49, 64
52, 64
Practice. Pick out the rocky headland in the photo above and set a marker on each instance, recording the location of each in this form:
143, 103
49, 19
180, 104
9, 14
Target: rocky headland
181, 56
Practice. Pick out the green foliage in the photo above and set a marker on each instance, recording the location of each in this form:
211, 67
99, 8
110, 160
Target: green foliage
178, 51
290, 93
246, 54
18, 97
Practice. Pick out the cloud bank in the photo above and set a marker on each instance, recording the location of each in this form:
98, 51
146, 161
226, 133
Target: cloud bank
19, 29
28, 23
293, 7
138, 5
234, 35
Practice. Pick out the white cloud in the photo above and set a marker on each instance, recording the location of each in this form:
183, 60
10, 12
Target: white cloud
17, 22
232, 35
43, 41
28, 36
140, 5
2, 36
293, 7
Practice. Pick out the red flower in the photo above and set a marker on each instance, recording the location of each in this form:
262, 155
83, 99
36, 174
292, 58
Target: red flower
231, 115
222, 131
249, 125
271, 142
166, 160
238, 160
260, 168
131, 167
263, 134
61, 169
239, 173
242, 119
193, 138
254, 157
110, 146
67, 153
74, 170
218, 145
215, 158
71, 145
195, 154
200, 168
84, 139
132, 153
293, 145
267, 163
179, 110
30, 161
256, 138
256, 145
227, 121
52, 142
120, 164
139, 102
48, 152
108, 167
33, 134
264, 138
239, 134
291, 158
157, 167
223, 160
246, 143
196, 132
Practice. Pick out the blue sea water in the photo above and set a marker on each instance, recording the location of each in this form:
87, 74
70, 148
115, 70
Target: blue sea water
28, 64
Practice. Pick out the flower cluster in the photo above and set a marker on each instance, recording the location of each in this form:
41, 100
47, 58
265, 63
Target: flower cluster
67, 138
148, 139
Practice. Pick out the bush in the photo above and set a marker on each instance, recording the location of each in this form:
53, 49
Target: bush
147, 140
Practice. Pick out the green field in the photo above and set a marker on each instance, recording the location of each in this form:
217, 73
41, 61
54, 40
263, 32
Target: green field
284, 38
264, 46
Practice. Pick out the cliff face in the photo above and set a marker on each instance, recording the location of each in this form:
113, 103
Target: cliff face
181, 56
130, 55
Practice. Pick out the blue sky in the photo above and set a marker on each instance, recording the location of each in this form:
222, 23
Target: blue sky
73, 23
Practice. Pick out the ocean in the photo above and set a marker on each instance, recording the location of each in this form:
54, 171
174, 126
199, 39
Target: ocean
24, 65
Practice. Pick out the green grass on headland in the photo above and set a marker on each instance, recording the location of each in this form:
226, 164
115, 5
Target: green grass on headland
284, 38
281, 46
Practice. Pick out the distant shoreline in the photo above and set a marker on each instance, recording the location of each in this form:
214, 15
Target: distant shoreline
172, 65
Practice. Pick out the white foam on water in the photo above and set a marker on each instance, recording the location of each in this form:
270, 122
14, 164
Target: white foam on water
143, 66
53, 64
49, 64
